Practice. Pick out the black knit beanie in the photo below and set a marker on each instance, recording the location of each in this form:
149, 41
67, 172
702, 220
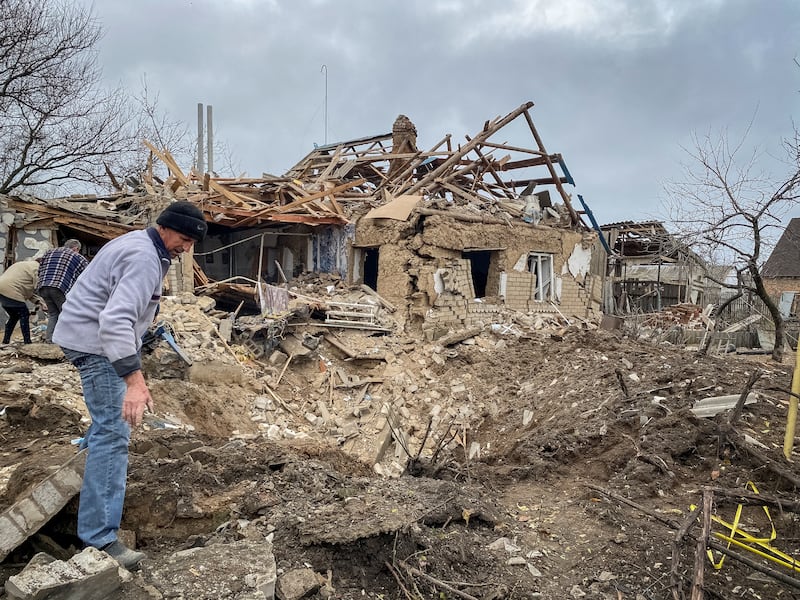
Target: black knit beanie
184, 217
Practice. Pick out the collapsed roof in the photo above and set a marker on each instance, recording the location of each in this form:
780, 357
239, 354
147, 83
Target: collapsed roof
330, 183
335, 181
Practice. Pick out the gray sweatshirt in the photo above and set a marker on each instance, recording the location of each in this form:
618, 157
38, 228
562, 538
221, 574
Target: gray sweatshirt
114, 301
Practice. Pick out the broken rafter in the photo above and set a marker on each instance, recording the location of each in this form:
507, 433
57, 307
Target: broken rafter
270, 212
359, 170
576, 220
478, 139
530, 162
399, 178
170, 162
457, 191
229, 195
98, 225
334, 161
320, 194
492, 171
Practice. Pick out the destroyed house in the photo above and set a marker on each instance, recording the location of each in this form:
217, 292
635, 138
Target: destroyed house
450, 236
30, 226
649, 269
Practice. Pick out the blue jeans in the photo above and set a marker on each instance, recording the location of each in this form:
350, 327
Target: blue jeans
103, 489
17, 313
54, 298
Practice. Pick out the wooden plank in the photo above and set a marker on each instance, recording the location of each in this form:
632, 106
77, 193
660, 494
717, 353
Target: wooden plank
269, 213
337, 344
457, 191
221, 189
321, 194
295, 218
334, 161
169, 161
337, 209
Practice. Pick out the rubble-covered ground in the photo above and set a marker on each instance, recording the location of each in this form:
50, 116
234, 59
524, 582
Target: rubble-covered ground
398, 468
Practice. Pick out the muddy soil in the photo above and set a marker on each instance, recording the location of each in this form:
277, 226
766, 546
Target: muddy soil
501, 497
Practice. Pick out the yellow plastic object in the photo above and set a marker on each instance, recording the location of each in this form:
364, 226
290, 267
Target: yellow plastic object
791, 418
760, 546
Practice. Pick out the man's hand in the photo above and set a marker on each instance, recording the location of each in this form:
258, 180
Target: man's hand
136, 399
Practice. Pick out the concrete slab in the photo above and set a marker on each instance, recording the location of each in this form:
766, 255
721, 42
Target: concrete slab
89, 575
41, 503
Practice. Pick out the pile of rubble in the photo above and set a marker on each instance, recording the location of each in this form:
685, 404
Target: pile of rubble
353, 385
300, 375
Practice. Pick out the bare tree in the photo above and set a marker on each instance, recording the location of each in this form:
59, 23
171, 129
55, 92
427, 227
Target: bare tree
729, 211
57, 123
154, 125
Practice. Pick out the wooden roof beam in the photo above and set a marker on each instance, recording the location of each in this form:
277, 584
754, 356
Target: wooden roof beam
576, 220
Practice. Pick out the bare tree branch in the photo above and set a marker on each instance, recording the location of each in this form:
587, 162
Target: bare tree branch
730, 211
58, 124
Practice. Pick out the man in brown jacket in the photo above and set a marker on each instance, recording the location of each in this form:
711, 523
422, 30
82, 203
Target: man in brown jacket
17, 285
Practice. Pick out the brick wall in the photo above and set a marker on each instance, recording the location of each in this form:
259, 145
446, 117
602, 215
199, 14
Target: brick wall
520, 289
456, 308
775, 287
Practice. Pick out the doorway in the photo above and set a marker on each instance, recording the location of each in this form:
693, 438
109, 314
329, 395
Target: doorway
371, 256
479, 261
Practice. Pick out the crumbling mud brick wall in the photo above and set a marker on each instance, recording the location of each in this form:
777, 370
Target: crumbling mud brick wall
428, 266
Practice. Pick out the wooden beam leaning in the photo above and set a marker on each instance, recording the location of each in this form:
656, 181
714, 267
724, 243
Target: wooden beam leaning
231, 196
169, 161
478, 139
331, 165
573, 215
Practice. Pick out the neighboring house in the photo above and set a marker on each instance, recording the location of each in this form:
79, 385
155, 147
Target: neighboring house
450, 236
31, 226
781, 272
650, 269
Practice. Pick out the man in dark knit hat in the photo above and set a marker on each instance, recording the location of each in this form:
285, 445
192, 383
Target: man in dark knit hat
100, 329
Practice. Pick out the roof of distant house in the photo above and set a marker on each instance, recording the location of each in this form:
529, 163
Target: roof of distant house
785, 258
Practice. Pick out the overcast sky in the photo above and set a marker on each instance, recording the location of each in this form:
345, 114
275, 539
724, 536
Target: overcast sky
618, 85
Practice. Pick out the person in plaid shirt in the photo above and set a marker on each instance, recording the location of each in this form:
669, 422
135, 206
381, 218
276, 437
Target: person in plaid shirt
58, 270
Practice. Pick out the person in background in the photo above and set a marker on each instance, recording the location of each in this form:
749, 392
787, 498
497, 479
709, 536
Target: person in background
100, 329
58, 270
17, 286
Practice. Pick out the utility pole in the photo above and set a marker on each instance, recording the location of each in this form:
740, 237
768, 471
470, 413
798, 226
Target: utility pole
204, 139
200, 163
324, 69
210, 140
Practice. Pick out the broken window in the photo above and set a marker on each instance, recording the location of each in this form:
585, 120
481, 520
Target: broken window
541, 265
787, 304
